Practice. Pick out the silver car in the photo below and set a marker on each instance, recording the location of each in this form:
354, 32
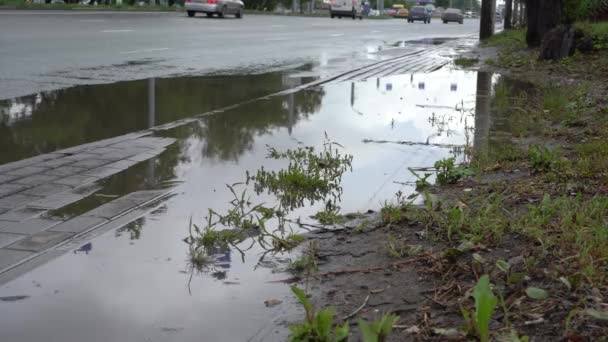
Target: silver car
211, 7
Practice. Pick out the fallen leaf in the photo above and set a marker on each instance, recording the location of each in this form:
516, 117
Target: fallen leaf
536, 293
270, 302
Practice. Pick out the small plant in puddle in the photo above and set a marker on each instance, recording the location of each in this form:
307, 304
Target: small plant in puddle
331, 215
485, 303
310, 175
391, 213
400, 249
307, 263
378, 330
421, 181
448, 172
318, 325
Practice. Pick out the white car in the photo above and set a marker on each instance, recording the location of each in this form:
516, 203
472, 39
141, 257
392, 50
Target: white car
345, 8
211, 7
468, 14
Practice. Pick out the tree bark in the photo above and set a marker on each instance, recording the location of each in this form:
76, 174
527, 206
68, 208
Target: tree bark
515, 20
543, 16
508, 14
486, 25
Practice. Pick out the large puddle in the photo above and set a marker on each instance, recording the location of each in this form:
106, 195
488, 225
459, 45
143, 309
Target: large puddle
134, 284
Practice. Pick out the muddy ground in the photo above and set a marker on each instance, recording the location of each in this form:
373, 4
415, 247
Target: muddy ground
429, 283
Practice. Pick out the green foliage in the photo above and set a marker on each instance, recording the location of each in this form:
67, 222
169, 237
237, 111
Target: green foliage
309, 175
448, 172
536, 293
391, 213
307, 263
318, 324
379, 330
466, 62
399, 249
421, 181
329, 216
485, 303
508, 40
542, 159
584, 9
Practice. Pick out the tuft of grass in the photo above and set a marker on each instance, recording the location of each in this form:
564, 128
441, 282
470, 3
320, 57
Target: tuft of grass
542, 159
307, 263
319, 325
329, 217
378, 330
509, 40
449, 173
466, 62
485, 303
400, 249
391, 213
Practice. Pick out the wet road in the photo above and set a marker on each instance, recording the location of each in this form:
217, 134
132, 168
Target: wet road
52, 50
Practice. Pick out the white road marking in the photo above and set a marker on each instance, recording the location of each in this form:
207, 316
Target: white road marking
277, 25
336, 35
116, 31
376, 31
92, 20
274, 39
145, 50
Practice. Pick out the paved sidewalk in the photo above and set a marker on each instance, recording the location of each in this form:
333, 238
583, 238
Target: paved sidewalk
31, 187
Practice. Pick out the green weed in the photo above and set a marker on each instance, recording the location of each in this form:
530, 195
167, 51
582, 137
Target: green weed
307, 263
319, 324
466, 62
400, 249
449, 173
379, 330
421, 181
485, 303
508, 40
391, 213
542, 159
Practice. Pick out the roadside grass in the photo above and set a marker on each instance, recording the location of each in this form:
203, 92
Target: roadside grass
508, 40
466, 62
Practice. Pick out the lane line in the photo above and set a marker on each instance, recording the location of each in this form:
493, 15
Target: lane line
145, 50
115, 31
92, 20
336, 35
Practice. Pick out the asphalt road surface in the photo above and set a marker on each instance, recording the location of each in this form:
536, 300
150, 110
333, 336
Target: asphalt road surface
51, 50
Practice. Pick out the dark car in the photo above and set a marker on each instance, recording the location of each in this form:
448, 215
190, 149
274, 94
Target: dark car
453, 15
419, 13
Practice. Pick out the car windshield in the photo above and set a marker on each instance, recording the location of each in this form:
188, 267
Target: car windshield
418, 9
452, 10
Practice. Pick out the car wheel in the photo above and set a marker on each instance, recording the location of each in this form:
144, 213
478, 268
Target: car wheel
339, 17
209, 15
239, 14
332, 16
429, 21
461, 22
223, 12
354, 14
360, 17
191, 13
445, 21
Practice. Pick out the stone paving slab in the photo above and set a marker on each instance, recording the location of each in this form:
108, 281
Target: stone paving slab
29, 227
17, 201
9, 257
79, 224
66, 171
36, 179
21, 214
76, 180
9, 189
8, 238
40, 241
7, 178
102, 172
27, 171
92, 163
47, 189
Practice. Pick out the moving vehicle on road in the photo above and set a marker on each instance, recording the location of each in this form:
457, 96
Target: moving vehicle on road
402, 13
212, 7
452, 15
419, 13
345, 8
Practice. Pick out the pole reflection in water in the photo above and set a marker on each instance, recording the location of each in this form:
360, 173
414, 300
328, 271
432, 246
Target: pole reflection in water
482, 111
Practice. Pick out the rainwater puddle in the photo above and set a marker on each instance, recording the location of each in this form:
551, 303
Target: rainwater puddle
424, 41
134, 284
49, 121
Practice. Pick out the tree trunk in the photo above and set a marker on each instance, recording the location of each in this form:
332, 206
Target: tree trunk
522, 13
543, 16
515, 20
486, 25
508, 14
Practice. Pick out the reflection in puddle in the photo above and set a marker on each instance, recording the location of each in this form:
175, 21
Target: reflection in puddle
135, 281
49, 121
